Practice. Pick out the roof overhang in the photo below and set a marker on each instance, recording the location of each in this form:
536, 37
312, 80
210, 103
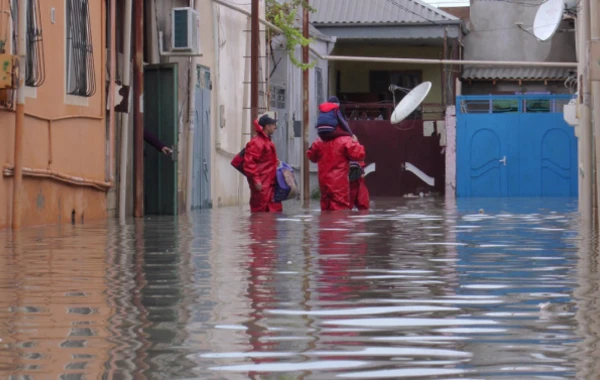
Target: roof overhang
400, 32
472, 73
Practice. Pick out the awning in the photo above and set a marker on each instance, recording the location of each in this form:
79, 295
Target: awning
516, 73
390, 32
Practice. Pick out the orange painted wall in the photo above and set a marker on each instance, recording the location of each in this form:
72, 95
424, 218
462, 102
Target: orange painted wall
73, 142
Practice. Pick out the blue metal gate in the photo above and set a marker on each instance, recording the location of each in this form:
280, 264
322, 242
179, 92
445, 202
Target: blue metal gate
201, 165
514, 146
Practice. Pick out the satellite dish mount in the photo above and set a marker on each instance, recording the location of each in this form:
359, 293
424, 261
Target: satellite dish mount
410, 102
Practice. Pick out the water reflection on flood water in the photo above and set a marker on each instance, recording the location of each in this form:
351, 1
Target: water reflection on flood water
414, 289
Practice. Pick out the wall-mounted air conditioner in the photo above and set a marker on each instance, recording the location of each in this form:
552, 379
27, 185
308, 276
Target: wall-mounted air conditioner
185, 26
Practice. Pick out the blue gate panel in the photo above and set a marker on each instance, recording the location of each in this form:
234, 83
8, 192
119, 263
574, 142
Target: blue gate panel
515, 146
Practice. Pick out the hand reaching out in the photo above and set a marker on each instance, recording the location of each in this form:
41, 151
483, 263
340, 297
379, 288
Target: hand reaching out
166, 150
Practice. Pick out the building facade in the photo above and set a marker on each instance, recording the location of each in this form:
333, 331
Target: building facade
64, 151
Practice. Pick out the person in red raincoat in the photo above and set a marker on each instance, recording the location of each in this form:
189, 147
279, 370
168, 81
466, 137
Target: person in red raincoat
260, 166
359, 194
333, 158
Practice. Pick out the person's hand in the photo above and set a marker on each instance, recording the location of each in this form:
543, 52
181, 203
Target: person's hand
166, 150
354, 138
258, 186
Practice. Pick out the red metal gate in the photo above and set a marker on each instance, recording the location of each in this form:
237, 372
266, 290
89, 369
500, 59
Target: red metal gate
390, 147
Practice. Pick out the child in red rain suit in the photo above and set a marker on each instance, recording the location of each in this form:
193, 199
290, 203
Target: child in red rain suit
359, 194
333, 158
260, 166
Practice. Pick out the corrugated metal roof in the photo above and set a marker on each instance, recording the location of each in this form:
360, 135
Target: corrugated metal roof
525, 73
376, 12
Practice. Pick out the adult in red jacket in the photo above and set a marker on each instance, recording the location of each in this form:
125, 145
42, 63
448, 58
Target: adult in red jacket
359, 194
260, 166
333, 158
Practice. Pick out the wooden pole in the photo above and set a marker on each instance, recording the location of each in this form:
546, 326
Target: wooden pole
138, 112
254, 68
306, 113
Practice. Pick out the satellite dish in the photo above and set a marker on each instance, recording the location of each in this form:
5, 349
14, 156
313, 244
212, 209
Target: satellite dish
548, 17
410, 102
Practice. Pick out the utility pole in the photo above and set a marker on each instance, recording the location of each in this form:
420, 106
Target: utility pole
254, 73
20, 114
595, 35
138, 112
585, 128
306, 116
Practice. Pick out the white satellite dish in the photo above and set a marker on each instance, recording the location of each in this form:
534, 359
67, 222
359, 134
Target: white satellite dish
410, 102
548, 18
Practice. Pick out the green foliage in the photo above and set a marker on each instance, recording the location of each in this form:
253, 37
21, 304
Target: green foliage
284, 15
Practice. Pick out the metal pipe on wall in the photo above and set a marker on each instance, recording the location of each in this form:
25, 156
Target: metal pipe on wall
595, 35
127, 20
110, 173
192, 78
254, 69
585, 129
138, 112
20, 115
306, 112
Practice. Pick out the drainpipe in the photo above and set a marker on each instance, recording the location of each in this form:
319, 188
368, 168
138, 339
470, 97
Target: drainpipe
125, 116
306, 112
138, 112
192, 77
20, 116
111, 91
217, 74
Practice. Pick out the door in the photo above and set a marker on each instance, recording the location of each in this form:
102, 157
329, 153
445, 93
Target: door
549, 156
160, 119
516, 146
201, 166
482, 148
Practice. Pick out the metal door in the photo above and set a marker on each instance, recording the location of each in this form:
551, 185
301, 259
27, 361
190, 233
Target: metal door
516, 146
160, 118
201, 164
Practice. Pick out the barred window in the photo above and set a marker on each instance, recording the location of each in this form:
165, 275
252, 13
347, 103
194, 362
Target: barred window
35, 73
319, 85
80, 73
277, 97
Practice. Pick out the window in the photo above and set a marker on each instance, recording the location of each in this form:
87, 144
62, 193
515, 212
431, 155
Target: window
319, 85
80, 71
34, 68
277, 97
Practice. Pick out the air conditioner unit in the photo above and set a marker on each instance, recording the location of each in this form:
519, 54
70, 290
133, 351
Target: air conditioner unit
185, 25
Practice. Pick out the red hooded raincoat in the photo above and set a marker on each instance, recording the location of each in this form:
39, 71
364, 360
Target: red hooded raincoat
333, 158
260, 166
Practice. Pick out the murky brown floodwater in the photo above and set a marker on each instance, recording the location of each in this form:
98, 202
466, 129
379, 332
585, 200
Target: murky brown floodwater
416, 289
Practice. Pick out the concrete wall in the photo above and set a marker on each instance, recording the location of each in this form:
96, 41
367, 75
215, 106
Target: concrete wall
494, 36
226, 30
63, 133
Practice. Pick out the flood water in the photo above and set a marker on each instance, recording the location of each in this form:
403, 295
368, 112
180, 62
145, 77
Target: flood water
413, 289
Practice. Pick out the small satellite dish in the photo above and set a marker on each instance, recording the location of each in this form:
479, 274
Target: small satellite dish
548, 18
410, 102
